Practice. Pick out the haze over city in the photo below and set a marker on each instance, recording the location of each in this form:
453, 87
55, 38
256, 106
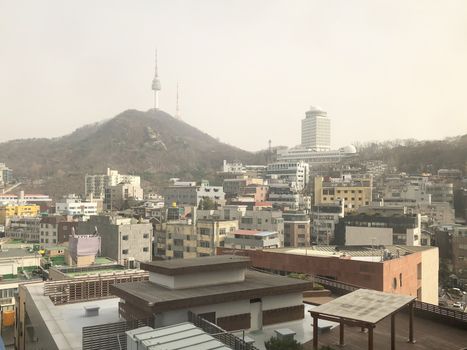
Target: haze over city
382, 70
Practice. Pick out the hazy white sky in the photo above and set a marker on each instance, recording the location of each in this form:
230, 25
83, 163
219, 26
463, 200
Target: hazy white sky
248, 69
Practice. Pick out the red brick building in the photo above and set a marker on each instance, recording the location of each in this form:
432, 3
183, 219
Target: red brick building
394, 269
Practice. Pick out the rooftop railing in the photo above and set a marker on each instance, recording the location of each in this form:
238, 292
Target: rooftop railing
431, 311
220, 334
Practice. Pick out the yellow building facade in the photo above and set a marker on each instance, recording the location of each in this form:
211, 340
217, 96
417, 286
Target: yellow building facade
8, 211
355, 193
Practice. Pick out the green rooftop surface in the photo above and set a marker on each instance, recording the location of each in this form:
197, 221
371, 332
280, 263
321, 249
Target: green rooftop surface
57, 260
107, 269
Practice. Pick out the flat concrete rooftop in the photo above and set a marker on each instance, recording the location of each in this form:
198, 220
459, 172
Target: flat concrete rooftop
65, 322
352, 251
208, 263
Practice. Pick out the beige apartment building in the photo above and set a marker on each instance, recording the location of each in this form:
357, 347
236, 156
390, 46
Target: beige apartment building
355, 192
183, 240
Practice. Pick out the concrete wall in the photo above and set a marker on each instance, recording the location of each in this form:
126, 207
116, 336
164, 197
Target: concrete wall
113, 243
368, 235
361, 273
405, 267
238, 307
430, 267
198, 279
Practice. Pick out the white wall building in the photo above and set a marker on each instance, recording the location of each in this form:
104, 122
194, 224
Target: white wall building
316, 130
296, 174
316, 158
95, 185
73, 205
251, 239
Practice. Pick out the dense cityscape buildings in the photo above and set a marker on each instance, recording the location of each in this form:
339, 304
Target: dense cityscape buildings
142, 232
305, 213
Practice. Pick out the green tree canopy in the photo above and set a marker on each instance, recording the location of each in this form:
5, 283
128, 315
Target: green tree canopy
282, 344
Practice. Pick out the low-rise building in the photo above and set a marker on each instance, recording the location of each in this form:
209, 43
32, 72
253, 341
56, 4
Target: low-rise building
191, 195
356, 192
376, 227
295, 174
117, 195
72, 205
25, 228
452, 243
8, 211
297, 229
211, 233
324, 219
284, 196
219, 289
123, 239
55, 230
251, 239
402, 269
17, 266
95, 185
177, 240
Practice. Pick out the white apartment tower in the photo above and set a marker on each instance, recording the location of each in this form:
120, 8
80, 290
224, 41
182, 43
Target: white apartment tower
316, 130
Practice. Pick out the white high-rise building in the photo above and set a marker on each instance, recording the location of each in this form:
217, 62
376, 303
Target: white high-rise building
316, 130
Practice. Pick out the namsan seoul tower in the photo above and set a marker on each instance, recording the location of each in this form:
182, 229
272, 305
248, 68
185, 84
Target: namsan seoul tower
156, 86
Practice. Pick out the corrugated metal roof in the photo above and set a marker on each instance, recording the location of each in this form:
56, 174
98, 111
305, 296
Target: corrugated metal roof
180, 336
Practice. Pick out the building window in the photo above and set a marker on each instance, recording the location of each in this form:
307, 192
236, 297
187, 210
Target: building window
400, 280
145, 249
394, 283
125, 237
419, 271
204, 244
146, 235
125, 251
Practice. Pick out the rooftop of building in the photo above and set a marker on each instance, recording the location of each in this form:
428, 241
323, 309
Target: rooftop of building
255, 285
17, 253
178, 336
100, 262
65, 321
253, 233
208, 263
355, 252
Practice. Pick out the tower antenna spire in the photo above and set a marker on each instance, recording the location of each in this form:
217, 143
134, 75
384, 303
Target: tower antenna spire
156, 85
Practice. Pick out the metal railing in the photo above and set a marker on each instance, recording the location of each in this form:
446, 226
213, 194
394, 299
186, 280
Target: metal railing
220, 334
88, 288
421, 307
109, 336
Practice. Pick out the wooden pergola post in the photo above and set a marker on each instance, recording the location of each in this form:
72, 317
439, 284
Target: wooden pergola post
315, 332
411, 336
341, 333
370, 337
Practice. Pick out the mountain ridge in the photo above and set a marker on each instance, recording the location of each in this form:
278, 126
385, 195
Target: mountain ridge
152, 144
